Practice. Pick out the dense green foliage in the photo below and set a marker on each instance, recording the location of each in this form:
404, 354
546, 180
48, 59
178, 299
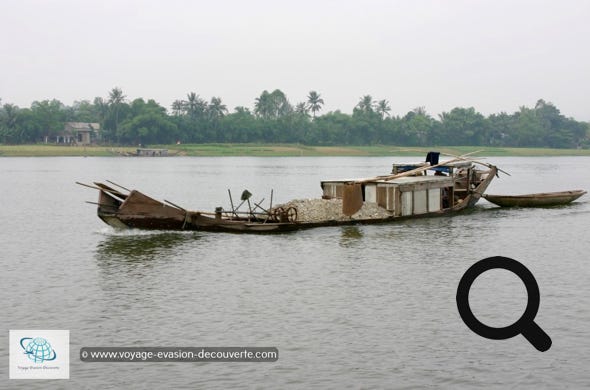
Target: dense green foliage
275, 120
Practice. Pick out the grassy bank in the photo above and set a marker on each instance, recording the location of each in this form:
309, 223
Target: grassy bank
41, 150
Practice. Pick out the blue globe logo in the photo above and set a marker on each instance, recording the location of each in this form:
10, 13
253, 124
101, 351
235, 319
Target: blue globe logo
37, 349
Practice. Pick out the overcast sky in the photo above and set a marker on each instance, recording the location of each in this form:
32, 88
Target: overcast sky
492, 55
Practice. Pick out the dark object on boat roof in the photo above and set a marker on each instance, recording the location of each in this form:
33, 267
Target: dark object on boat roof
432, 158
535, 200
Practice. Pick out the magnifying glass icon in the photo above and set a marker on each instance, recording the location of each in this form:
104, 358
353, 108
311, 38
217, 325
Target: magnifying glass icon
525, 325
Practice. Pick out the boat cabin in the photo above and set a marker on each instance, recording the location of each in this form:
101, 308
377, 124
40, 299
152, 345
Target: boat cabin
403, 196
432, 190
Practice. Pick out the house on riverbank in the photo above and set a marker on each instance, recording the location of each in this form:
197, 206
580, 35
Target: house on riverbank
77, 133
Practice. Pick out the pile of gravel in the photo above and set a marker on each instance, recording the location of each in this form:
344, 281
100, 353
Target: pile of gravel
321, 210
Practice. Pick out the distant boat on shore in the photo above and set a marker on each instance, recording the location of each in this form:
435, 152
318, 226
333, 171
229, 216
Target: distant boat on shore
148, 152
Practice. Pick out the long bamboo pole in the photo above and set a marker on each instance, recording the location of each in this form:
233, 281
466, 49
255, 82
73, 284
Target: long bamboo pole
485, 164
231, 202
102, 189
175, 205
118, 185
411, 172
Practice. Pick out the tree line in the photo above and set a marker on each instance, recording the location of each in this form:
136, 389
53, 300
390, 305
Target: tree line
274, 119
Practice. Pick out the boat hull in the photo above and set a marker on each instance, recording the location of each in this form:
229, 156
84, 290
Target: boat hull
208, 224
535, 200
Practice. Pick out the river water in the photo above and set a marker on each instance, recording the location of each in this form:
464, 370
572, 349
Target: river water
347, 307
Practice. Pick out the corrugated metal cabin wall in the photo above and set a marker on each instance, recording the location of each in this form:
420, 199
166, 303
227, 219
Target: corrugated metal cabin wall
420, 202
407, 203
416, 198
386, 196
332, 190
382, 197
371, 193
434, 199
414, 202
329, 190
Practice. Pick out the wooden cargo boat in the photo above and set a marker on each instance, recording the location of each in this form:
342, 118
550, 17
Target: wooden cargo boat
544, 199
408, 192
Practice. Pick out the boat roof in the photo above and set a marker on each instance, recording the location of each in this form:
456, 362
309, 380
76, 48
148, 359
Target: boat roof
455, 164
399, 180
417, 179
442, 167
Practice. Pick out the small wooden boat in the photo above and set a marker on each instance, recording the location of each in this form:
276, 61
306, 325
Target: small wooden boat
535, 200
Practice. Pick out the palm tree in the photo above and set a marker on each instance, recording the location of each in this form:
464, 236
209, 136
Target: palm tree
280, 104
116, 98
272, 105
195, 106
216, 109
420, 111
101, 108
365, 104
178, 107
315, 102
8, 119
302, 109
242, 110
383, 108
10, 115
263, 106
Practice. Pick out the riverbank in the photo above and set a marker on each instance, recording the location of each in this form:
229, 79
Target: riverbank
278, 150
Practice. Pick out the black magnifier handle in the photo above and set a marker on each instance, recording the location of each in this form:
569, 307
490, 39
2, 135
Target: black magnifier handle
537, 336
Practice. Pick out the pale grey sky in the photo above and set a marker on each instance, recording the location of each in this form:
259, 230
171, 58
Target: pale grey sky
492, 55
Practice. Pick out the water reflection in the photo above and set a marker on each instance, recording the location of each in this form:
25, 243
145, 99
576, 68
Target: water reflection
350, 236
440, 230
141, 248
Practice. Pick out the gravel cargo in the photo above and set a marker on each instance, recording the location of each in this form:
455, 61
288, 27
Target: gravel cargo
321, 210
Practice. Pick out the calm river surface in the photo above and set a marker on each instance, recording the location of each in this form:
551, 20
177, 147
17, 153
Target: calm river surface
347, 307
